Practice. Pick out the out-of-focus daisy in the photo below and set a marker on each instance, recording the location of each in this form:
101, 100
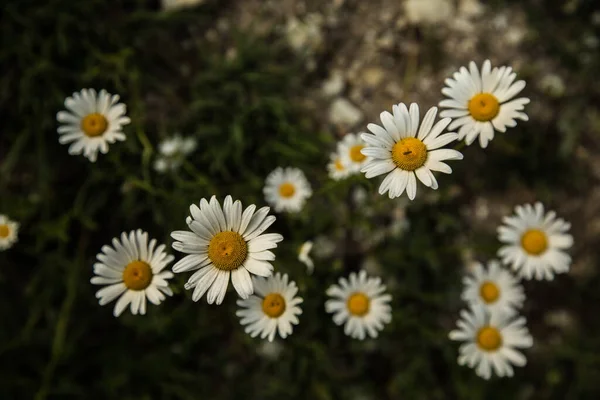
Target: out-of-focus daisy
286, 189
270, 350
91, 122
9, 232
480, 102
273, 308
303, 255
428, 11
535, 242
405, 152
225, 242
337, 170
493, 288
349, 148
173, 151
359, 304
491, 340
133, 269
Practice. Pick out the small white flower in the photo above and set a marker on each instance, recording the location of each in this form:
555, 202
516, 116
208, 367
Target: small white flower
535, 242
405, 152
273, 307
491, 340
349, 148
493, 288
173, 151
337, 170
303, 256
9, 232
359, 304
91, 122
287, 189
132, 270
225, 242
480, 102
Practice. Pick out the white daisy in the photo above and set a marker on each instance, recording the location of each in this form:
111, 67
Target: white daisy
287, 189
91, 122
9, 232
491, 341
404, 154
349, 148
480, 102
359, 304
225, 242
132, 269
273, 308
337, 170
303, 256
535, 242
493, 288
173, 151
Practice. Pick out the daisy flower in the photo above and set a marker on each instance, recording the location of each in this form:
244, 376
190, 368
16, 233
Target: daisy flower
132, 270
481, 102
359, 304
304, 257
287, 189
491, 340
349, 149
9, 232
535, 242
493, 288
336, 169
225, 242
273, 308
91, 122
405, 152
173, 151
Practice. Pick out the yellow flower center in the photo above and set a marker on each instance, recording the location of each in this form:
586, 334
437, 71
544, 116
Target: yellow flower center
4, 231
273, 305
338, 165
287, 190
355, 154
409, 154
484, 107
534, 242
94, 124
358, 304
489, 292
489, 338
137, 275
227, 250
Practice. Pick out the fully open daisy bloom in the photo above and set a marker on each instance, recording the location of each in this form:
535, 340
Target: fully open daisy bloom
493, 288
9, 232
349, 148
491, 340
132, 270
91, 122
336, 169
273, 308
287, 189
225, 242
359, 304
303, 255
406, 152
535, 242
480, 102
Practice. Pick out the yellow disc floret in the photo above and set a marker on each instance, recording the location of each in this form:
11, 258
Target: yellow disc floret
273, 305
484, 107
227, 250
137, 275
94, 124
489, 292
338, 165
409, 154
356, 155
358, 304
4, 231
489, 338
287, 190
534, 242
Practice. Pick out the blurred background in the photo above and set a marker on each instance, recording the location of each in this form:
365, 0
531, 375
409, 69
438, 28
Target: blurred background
261, 84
